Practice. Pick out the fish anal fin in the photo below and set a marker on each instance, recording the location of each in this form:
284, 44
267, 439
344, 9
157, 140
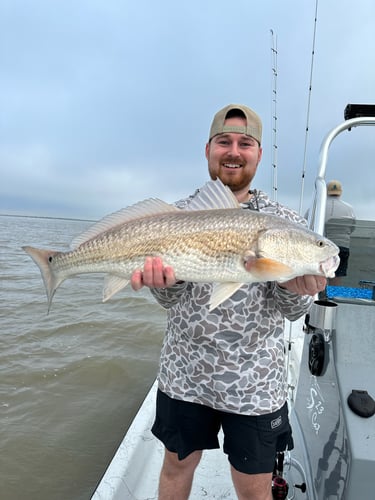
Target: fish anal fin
222, 292
112, 285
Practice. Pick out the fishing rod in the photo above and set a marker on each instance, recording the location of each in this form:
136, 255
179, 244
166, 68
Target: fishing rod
308, 110
274, 113
290, 388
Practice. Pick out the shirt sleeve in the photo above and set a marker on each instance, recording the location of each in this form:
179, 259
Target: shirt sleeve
291, 305
168, 297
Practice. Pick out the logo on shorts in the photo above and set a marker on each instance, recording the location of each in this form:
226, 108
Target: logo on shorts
276, 423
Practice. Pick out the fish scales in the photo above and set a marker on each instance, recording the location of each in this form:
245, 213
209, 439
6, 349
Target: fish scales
191, 230
211, 238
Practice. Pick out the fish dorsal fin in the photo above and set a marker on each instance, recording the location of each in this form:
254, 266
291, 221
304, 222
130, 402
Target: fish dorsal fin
213, 195
141, 209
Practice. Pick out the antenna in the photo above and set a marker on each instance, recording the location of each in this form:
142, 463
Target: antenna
308, 111
274, 113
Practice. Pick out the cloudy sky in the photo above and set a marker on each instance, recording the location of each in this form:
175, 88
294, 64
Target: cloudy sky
107, 102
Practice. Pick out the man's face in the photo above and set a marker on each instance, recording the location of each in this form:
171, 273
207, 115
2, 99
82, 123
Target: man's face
233, 158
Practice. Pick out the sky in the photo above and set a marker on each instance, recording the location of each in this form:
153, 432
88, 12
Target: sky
107, 102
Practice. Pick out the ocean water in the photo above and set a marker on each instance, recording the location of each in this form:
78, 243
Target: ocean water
70, 381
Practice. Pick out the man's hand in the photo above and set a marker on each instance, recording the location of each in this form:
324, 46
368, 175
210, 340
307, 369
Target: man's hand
154, 275
305, 285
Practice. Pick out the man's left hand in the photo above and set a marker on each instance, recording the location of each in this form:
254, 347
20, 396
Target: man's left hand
305, 285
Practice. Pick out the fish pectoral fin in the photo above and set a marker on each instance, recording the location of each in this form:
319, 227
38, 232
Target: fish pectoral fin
112, 285
221, 292
265, 269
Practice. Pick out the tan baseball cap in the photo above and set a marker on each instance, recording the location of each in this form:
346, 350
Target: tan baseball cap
253, 125
334, 188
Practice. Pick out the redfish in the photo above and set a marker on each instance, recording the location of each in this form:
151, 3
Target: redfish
209, 241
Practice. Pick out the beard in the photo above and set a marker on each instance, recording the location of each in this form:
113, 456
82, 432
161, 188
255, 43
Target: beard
236, 181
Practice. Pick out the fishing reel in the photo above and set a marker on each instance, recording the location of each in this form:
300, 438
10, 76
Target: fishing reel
280, 486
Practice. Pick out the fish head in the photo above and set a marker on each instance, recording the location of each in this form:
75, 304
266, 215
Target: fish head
298, 251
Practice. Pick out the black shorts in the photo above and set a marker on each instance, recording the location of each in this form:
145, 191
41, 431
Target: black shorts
344, 257
251, 442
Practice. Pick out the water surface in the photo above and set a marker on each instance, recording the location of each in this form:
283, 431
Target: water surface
70, 381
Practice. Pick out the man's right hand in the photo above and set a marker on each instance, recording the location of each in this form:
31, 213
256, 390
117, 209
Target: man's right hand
154, 275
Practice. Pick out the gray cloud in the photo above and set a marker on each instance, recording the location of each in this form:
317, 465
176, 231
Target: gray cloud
105, 103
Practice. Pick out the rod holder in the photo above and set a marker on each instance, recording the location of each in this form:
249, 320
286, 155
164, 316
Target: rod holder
323, 317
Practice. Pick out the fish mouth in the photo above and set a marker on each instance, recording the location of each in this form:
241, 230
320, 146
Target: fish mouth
329, 266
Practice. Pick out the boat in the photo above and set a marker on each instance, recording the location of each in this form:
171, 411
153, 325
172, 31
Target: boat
332, 417
330, 361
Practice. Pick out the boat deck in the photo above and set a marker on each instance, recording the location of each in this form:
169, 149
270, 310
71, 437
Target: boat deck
140, 452
354, 353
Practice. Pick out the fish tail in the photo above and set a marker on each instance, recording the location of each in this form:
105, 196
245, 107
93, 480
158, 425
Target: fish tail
43, 259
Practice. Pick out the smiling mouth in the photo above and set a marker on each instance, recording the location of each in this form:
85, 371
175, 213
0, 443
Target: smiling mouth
232, 165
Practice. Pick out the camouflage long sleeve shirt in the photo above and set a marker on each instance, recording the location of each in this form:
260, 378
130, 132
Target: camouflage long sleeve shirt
232, 358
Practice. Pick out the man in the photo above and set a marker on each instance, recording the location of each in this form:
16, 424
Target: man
339, 224
225, 368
